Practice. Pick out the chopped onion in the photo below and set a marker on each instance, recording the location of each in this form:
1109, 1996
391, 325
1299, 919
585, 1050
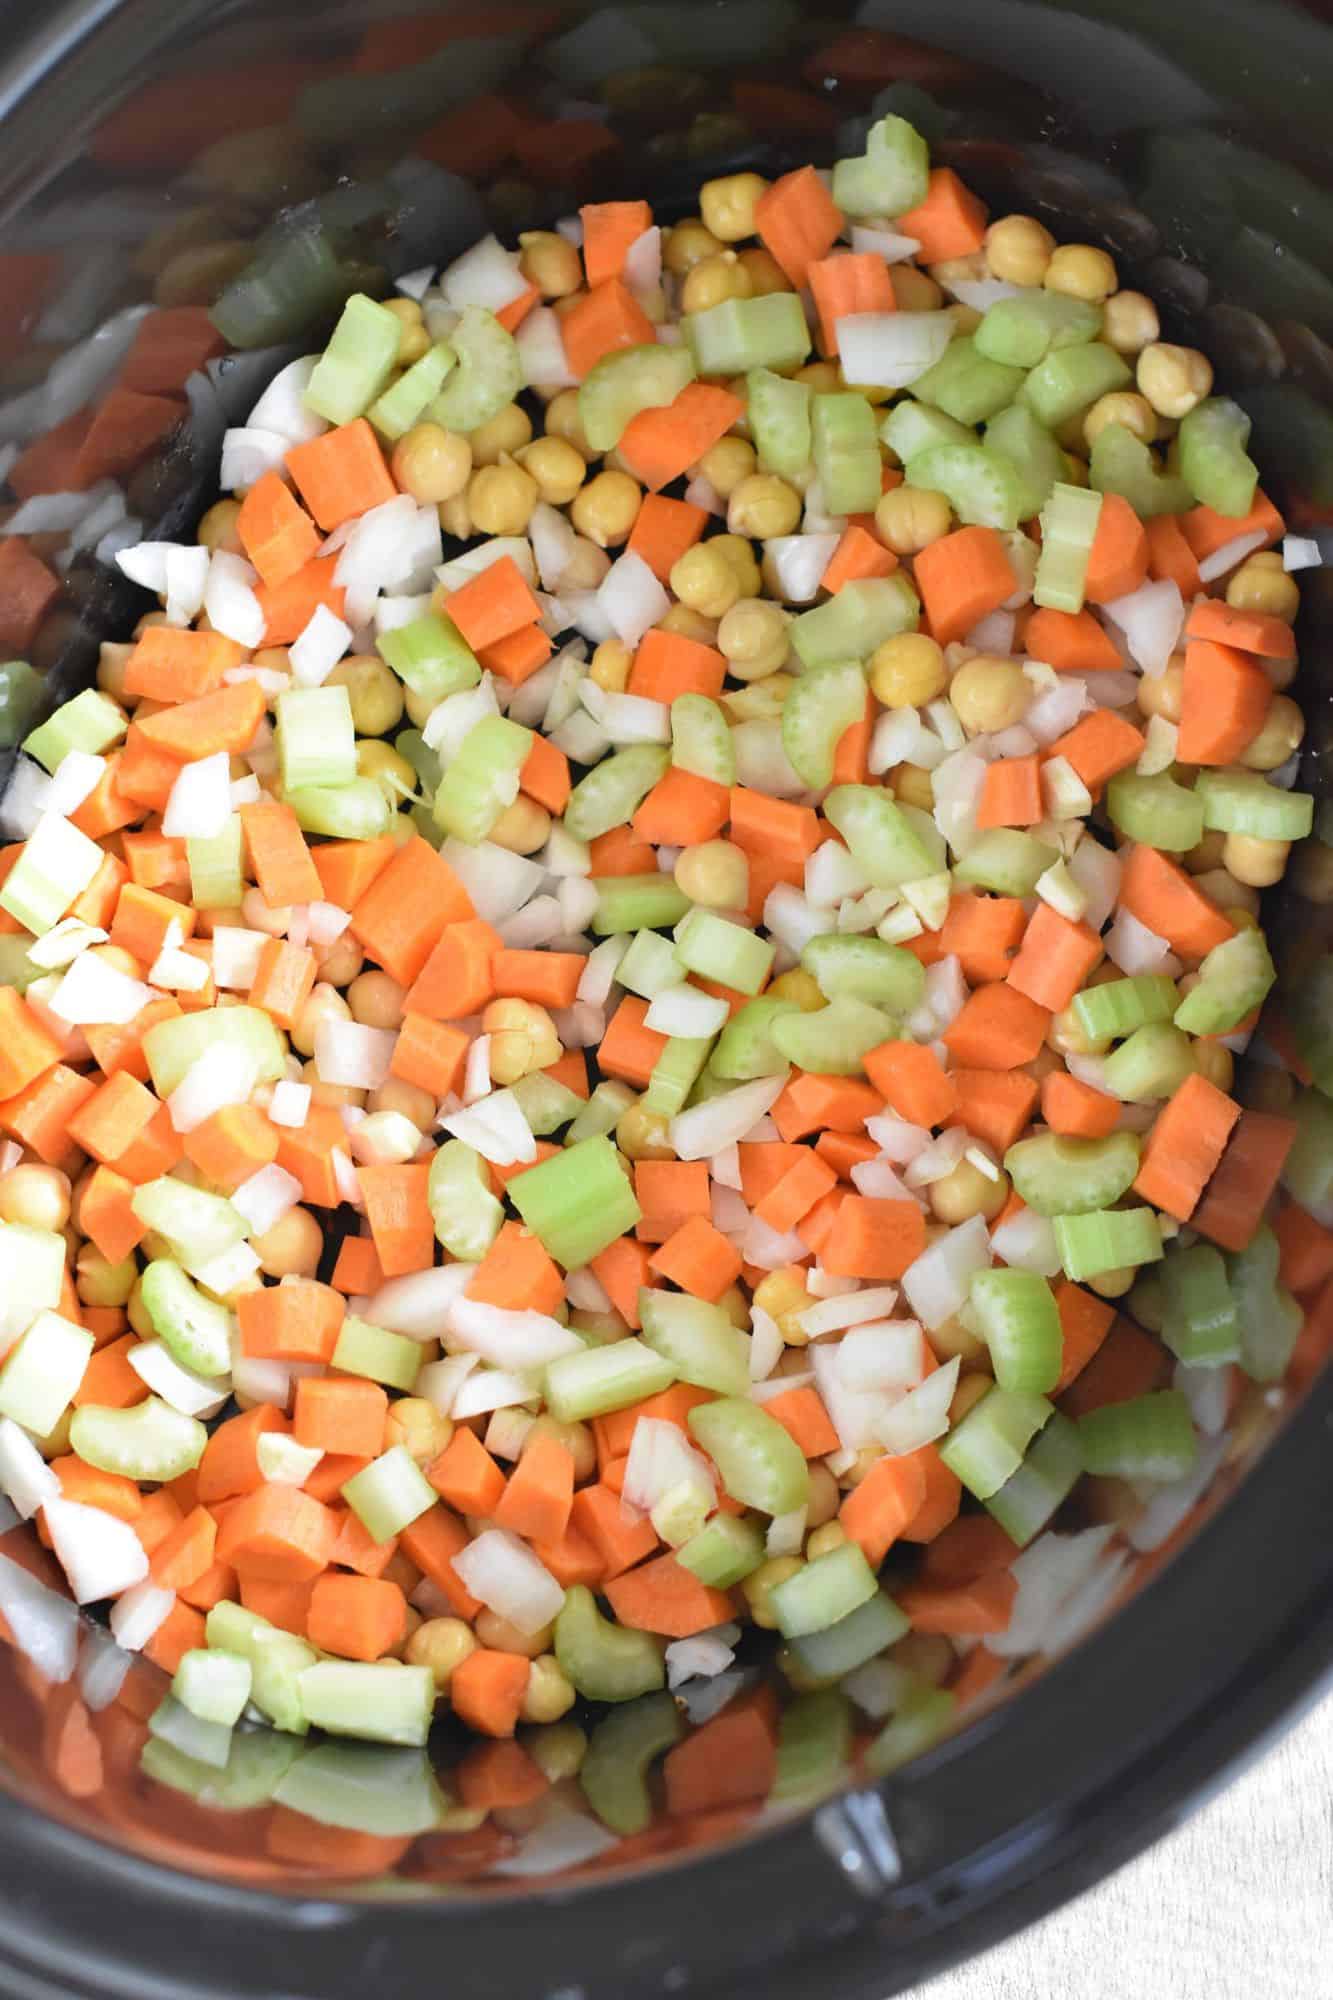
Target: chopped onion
230, 601
661, 1458
283, 406
889, 350
43, 1625
706, 1128
518, 1340
1229, 555
1298, 552
146, 565
193, 1395
93, 993
599, 971
580, 1026
494, 1389
1133, 947
957, 784
643, 262
487, 275
946, 991
103, 1664
439, 1381
798, 564
1151, 619
248, 453
497, 882
529, 928
236, 955
1174, 1500
187, 580
495, 1127
100, 1554
420, 1306
792, 920
453, 720
626, 718
352, 1055
923, 1414
1096, 870
897, 1139
541, 351
1109, 690
56, 514
321, 644
766, 1344
885, 243
770, 1248
698, 1658
831, 873
1026, 1242
562, 1841
878, 1181
786, 1533
883, 1354
1054, 710
1048, 1573
848, 1309
631, 598
702, 493
25, 1477
139, 1613
223, 1075
509, 1579
855, 1413
267, 1195
24, 798
554, 544
199, 804
477, 1070
77, 776
685, 1010
461, 569
937, 1284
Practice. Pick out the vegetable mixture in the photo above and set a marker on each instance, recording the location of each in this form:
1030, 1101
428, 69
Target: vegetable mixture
602, 1005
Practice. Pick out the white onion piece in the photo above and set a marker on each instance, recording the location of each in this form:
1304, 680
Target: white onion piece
477, 1070
318, 648
495, 1127
701, 1657
236, 954
487, 275
541, 351
268, 1194
518, 1340
352, 1055
885, 243
24, 799
1049, 1572
798, 563
923, 1414
223, 1075
855, 1413
766, 1344
1054, 710
1229, 555
179, 1387
994, 634
937, 1284
187, 580
230, 601
199, 803
878, 1181
981, 293
509, 1579
1298, 552
1097, 871
25, 1477
283, 406
453, 720
1026, 1242
884, 1354
702, 493
1151, 619
77, 776
497, 882
138, 1614
103, 1664
661, 1457
563, 1840
770, 1248
490, 1389
685, 1010
792, 920
461, 569
100, 1554
705, 1129
1133, 947
248, 453
626, 718
599, 972
93, 993
643, 261
897, 1139
631, 598
1110, 690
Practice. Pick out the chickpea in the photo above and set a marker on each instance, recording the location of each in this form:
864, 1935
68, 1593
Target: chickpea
610, 666
292, 1247
501, 498
823, 1540
557, 467
99, 1282
1129, 322
737, 552
342, 961
549, 262
503, 1637
431, 463
217, 529
1215, 1064
1281, 735
989, 694
1257, 864
713, 281
824, 377
914, 786
38, 1197
1261, 584
388, 767
1163, 694
550, 1694
910, 518
607, 508
763, 506
1019, 249
1174, 379
375, 693
523, 1039
907, 671
413, 340
784, 1298
563, 421
577, 1439
456, 520
754, 636
689, 624
112, 660
704, 580
1206, 854
587, 567
687, 245
442, 1644
321, 1004
967, 1192
766, 274
757, 1588
376, 1000
1114, 1284
951, 1337
409, 1100
522, 827
972, 1386
715, 873
1081, 271
824, 1501
914, 290
502, 436
642, 1134
728, 205
728, 464
1120, 407
966, 319
801, 987
418, 1426
558, 1750
257, 915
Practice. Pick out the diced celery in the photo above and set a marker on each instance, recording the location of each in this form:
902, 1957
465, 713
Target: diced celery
32, 1273
482, 781
698, 1340
745, 1049
385, 1700
858, 1637
1006, 860
91, 722
1235, 978
1213, 461
779, 412
1110, 1241
1270, 1319
892, 843
1050, 1470
55, 865
675, 1074
357, 363
1071, 379
922, 1719
912, 428
1244, 802
1030, 451
430, 656
814, 1744
1151, 1064
715, 948
835, 1040
742, 334
1104, 1013
614, 1771
860, 618
613, 790
149, 1441
364, 1787
1199, 1320
1148, 1437
217, 880
406, 401
760, 1464
205, 1742
215, 1686
357, 810
605, 1662
846, 452
16, 968
577, 1202
1020, 1324
195, 1329
725, 1550
1022, 331
890, 177
375, 1353
172, 1047
1068, 529
1122, 463
197, 1224
981, 486
41, 1372
650, 964
625, 381
966, 385
1156, 811
488, 376
823, 1592
545, 1102
389, 1494
636, 902
987, 1447
602, 1111
865, 968
277, 1661
701, 739
602, 1379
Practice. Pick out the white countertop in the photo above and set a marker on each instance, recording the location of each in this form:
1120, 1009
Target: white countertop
1235, 1905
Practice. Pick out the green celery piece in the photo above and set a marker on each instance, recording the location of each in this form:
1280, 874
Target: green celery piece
1245, 802
465, 1212
779, 413
981, 486
389, 1494
1071, 379
698, 1339
846, 452
760, 1464
315, 738
172, 1047
921, 1721
650, 964
488, 376
385, 1700
613, 1776
602, 1110
1020, 1324
91, 722
1006, 860
406, 401
745, 1049
1068, 529
217, 880
912, 428
1107, 1241
1022, 331
866, 968
836, 1039
482, 781
1150, 1064
605, 1662
636, 902
545, 1102
359, 810
814, 1744
1235, 978
356, 365
987, 1447
149, 1441
1200, 1323
823, 703
55, 865
675, 1074
1120, 1006
1307, 1174
1213, 461
16, 968
412, 745
577, 1202
377, 1354
743, 334
1155, 811
860, 618
628, 380
22, 698
200, 1224
1051, 1468
701, 739
1061, 1176
725, 1549
42, 1371
1030, 451
1122, 463
195, 1329
364, 1787
823, 1592
890, 841
715, 948
602, 1379
214, 1685
429, 656
965, 385
890, 177
1270, 1319
858, 1637
614, 789
1148, 1437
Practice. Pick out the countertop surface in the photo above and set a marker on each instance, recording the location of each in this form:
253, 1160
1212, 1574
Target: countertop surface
1236, 1904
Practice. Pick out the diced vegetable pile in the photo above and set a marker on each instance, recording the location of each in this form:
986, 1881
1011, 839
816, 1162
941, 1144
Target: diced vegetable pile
603, 1003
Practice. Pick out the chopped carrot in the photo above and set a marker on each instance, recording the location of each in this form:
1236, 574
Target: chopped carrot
603, 319
698, 1258
168, 347
1184, 1146
971, 1546
1164, 898
341, 474
1011, 792
776, 828
399, 1216
912, 1081
823, 1103
279, 1534
628, 1049
545, 775
1098, 746
346, 868
113, 1118
663, 1596
1224, 700
994, 1105
106, 1216
1207, 532
802, 1414
340, 1414
226, 720
516, 1273
1246, 631
108, 808
849, 281
845, 1150
286, 1605
1306, 1248
797, 222
275, 531
1085, 1321
661, 445
983, 933
230, 1464
402, 915
283, 980
357, 1268
622, 1271
288, 607
609, 229
307, 1153
621, 852
160, 1515
429, 1054
486, 1691
91, 1487
550, 978
851, 756
170, 665
876, 1512
39, 1115
1126, 1363
539, 1492
619, 1538
155, 1152
961, 578
26, 1049
858, 554
181, 1632
494, 603
663, 530
356, 1617
730, 1760
125, 426
950, 222
279, 854
297, 1320
667, 664
1235, 1198
1170, 557
944, 1494
143, 919
155, 862
466, 1476
145, 774
355, 1548
108, 1379
232, 1144
682, 809
1054, 959
458, 977
960, 1610
1075, 1108
874, 1238
1118, 558
997, 1028
187, 1551
669, 1192
1071, 642
71, 1750
796, 1193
